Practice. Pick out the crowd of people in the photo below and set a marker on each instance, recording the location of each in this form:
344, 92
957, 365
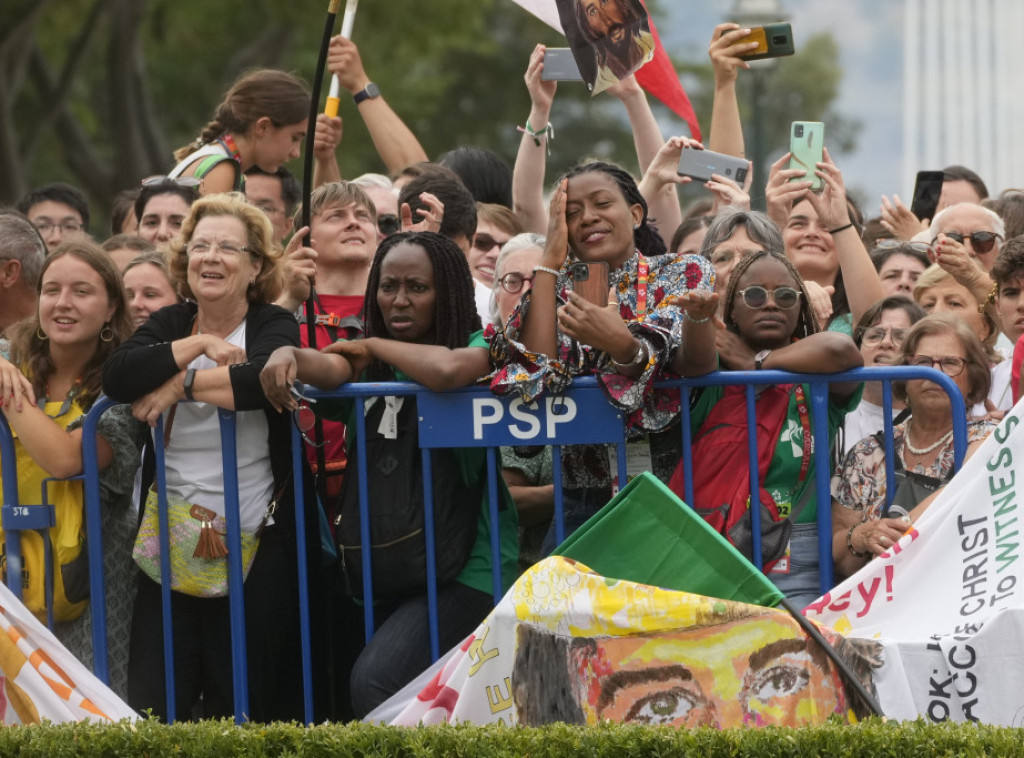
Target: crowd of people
450, 273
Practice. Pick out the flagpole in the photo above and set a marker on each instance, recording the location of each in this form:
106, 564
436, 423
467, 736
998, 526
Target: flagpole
347, 22
844, 669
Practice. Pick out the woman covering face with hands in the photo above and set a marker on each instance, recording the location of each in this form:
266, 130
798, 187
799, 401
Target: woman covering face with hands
599, 216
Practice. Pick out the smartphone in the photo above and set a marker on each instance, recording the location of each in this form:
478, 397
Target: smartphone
560, 66
806, 143
927, 190
590, 281
701, 164
773, 41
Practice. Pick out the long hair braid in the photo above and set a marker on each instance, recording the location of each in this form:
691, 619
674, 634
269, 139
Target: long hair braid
455, 314
645, 237
806, 325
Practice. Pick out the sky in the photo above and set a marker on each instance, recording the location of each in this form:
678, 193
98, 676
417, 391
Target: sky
869, 34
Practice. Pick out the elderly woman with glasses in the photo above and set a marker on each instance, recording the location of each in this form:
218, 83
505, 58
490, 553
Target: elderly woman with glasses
210, 351
879, 336
767, 309
923, 444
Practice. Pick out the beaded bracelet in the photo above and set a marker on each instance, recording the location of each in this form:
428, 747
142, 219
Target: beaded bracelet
849, 543
692, 320
546, 270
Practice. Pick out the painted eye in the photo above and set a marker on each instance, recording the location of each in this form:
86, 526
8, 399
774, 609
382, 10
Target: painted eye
663, 707
778, 681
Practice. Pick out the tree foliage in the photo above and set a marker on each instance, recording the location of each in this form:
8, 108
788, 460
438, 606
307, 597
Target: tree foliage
100, 92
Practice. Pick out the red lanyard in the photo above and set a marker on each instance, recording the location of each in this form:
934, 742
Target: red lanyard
805, 422
641, 287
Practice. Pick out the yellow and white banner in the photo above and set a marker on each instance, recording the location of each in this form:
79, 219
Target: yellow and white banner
40, 679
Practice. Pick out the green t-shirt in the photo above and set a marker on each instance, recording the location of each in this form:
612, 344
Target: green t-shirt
784, 469
472, 463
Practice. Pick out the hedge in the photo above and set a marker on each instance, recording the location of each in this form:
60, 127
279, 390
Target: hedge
217, 739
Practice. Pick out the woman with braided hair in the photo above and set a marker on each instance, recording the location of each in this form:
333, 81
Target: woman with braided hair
421, 326
599, 216
261, 123
770, 325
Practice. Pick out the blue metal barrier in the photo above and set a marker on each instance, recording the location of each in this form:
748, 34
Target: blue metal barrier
466, 418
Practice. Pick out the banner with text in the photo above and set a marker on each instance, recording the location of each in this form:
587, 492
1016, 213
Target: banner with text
947, 601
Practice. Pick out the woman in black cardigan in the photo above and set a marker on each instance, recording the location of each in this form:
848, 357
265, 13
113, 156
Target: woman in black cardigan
211, 351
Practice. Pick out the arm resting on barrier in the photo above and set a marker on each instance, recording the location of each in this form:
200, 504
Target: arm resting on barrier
436, 367
824, 352
288, 364
57, 452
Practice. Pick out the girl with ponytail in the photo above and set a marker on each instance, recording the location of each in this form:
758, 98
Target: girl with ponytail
599, 216
261, 122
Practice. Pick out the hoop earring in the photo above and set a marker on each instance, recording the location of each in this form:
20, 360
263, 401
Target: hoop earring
41, 335
106, 333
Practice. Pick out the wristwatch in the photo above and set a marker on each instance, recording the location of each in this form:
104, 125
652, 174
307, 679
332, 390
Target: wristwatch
371, 90
190, 377
760, 358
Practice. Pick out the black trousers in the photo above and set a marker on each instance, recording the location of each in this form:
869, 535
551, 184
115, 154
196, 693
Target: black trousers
202, 643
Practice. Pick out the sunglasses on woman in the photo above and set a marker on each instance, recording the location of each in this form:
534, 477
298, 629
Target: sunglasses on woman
188, 182
756, 297
982, 242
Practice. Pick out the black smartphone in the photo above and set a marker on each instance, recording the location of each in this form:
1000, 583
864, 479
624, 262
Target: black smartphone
590, 281
560, 66
773, 41
701, 164
927, 190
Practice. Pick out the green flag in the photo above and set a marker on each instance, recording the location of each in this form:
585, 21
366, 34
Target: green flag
646, 534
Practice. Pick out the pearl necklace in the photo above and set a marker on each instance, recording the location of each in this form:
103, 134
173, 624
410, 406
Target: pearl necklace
924, 450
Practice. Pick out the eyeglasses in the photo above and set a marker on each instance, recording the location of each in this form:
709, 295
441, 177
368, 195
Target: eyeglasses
982, 242
189, 182
269, 209
918, 247
68, 227
950, 365
513, 282
875, 336
205, 248
756, 297
485, 242
388, 224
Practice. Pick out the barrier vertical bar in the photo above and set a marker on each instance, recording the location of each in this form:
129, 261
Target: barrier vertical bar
428, 533
94, 540
236, 587
492, 506
556, 476
890, 453
686, 429
303, 576
12, 540
822, 481
165, 569
755, 481
359, 407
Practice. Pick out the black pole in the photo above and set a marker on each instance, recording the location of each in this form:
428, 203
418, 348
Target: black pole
307, 191
844, 669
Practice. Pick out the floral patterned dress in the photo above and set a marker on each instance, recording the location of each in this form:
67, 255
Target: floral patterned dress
859, 484
652, 321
